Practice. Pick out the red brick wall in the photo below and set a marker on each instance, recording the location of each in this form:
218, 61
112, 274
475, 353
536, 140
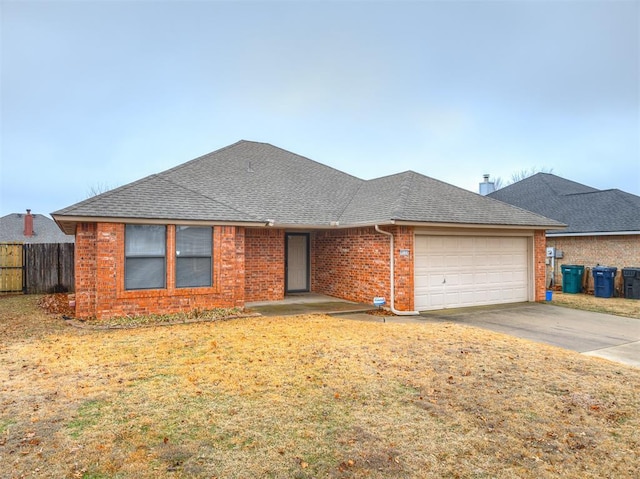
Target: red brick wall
264, 263
100, 289
248, 265
404, 267
85, 269
539, 258
354, 264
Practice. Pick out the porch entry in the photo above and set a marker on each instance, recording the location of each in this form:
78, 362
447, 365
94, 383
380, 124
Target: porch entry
297, 262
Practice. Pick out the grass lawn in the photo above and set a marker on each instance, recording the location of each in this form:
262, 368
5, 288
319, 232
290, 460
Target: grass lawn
305, 397
618, 306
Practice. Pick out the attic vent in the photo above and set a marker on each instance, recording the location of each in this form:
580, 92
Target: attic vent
249, 167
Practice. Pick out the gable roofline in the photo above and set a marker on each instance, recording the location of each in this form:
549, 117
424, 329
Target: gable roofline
557, 184
240, 142
586, 211
548, 178
258, 184
156, 176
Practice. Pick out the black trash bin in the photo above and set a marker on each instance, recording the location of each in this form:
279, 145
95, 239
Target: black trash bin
603, 279
631, 278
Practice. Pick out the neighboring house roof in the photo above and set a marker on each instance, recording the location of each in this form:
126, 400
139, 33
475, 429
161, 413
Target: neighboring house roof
583, 209
257, 183
45, 230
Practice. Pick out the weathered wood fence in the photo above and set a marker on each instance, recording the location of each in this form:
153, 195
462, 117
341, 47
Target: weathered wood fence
11, 267
36, 268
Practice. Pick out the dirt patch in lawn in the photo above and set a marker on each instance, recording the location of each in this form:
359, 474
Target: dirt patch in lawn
307, 396
617, 306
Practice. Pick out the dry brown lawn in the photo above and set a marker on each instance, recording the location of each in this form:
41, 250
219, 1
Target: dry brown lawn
618, 306
302, 397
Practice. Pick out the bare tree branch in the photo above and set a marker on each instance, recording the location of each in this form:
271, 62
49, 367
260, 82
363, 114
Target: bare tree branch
98, 189
521, 175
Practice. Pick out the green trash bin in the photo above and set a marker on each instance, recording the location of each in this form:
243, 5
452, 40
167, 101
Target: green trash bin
572, 278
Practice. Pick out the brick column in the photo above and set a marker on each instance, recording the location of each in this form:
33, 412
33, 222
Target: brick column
85, 269
404, 267
540, 267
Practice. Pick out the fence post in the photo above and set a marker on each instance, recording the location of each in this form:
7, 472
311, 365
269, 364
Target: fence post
24, 269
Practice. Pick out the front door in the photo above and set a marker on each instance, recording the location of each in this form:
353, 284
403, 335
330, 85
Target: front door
297, 263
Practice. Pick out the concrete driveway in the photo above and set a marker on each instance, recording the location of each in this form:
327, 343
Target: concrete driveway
611, 337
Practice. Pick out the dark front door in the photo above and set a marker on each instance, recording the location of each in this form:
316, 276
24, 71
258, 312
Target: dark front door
297, 262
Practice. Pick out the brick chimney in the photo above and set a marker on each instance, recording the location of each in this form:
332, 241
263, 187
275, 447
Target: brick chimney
28, 224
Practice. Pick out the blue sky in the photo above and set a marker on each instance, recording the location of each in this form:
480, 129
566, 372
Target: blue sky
97, 94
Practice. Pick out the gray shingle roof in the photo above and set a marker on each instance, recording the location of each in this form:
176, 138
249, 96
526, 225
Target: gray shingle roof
413, 197
582, 208
155, 197
258, 182
44, 230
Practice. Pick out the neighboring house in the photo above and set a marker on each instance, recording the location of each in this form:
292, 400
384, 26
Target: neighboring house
253, 222
603, 226
31, 228
35, 256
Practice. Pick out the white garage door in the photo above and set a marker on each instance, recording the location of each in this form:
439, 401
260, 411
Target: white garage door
458, 271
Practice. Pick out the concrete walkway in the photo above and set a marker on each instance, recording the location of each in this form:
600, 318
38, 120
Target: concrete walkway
595, 334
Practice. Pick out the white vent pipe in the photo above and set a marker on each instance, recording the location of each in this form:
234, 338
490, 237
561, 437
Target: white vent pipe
392, 276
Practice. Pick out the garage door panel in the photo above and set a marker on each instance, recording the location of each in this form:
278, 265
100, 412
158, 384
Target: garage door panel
437, 299
483, 261
452, 261
457, 271
465, 261
467, 279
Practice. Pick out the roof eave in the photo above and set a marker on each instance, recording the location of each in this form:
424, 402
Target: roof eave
68, 223
326, 226
593, 233
477, 225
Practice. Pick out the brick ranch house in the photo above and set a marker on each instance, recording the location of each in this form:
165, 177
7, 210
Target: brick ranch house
252, 222
603, 226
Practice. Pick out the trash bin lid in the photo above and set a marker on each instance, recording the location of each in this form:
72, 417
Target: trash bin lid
605, 269
571, 268
630, 272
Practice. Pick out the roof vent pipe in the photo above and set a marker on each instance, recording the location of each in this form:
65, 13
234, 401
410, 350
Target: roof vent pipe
392, 276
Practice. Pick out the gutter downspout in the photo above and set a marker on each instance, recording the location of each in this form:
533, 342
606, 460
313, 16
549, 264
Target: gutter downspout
392, 278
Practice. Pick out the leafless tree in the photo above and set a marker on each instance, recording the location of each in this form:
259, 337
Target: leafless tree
520, 175
98, 189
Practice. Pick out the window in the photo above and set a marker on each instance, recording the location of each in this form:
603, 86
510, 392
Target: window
193, 256
145, 256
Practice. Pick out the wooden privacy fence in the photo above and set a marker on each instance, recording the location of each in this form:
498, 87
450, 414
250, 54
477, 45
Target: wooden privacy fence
11, 267
41, 267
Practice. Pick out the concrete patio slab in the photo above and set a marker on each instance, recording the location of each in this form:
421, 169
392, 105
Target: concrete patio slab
307, 303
